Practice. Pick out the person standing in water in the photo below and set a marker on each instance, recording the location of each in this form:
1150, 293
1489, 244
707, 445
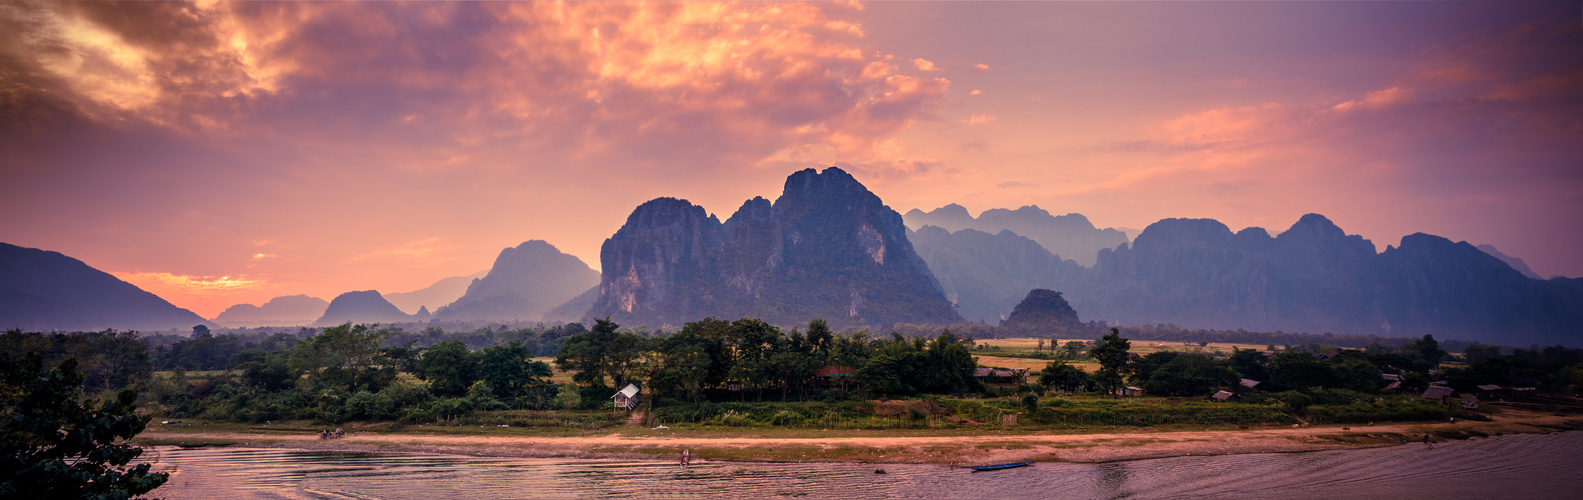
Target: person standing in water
686, 457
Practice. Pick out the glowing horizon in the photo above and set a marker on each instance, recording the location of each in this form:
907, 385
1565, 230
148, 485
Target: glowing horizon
219, 153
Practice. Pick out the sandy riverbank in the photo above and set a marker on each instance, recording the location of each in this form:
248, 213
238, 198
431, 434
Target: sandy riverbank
885, 446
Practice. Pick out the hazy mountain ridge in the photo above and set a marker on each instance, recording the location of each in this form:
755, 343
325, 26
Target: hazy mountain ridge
984, 274
1069, 236
1313, 277
288, 310
826, 248
1516, 263
442, 292
366, 306
524, 283
42, 290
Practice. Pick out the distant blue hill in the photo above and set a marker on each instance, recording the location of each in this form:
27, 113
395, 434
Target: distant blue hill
42, 290
1313, 278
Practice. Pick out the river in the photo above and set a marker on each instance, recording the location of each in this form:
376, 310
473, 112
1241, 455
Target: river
1512, 466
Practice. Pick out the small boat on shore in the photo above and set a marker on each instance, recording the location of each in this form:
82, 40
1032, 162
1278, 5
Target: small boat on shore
1000, 466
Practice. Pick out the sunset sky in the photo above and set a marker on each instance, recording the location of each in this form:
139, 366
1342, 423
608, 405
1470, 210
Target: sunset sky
222, 153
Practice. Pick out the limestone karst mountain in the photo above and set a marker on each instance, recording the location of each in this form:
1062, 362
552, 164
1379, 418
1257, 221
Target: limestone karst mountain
524, 283
1043, 313
1313, 277
42, 290
984, 274
289, 310
1070, 236
366, 306
826, 248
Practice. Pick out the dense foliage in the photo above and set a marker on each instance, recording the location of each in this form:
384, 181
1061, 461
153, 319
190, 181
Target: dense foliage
53, 445
364, 372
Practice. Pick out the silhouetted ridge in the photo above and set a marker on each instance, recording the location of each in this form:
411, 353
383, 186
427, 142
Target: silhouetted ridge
287, 310
42, 290
1070, 236
1042, 313
524, 283
366, 306
826, 248
1313, 277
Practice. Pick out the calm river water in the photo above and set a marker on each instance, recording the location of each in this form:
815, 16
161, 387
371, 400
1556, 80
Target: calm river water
1517, 466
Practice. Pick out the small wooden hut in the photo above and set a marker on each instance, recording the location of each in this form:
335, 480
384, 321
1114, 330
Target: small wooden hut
627, 398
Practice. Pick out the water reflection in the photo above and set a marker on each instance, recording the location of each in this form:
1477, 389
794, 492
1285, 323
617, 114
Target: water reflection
1527, 466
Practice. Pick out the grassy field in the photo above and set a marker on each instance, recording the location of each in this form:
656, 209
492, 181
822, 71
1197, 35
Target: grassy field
1141, 347
1032, 365
1005, 353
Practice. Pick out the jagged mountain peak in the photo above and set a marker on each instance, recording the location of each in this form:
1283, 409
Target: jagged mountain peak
1173, 232
827, 248
362, 306
528, 280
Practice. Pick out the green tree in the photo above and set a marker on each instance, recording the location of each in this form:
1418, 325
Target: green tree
1143, 367
1359, 375
53, 446
1111, 352
346, 357
1189, 375
1249, 363
1427, 349
449, 368
1301, 371
568, 396
948, 367
1073, 348
600, 353
819, 336
1063, 376
511, 372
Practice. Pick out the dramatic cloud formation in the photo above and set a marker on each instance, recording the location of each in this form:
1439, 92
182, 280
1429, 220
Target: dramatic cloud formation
322, 147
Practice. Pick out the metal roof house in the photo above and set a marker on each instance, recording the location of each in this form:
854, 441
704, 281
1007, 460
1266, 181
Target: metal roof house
1438, 393
627, 398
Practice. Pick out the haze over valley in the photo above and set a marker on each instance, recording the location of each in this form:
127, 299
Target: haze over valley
828, 248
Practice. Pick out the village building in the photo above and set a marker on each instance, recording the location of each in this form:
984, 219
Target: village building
835, 376
1439, 393
627, 398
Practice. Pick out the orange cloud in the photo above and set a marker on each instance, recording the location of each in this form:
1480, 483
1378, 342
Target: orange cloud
924, 65
1378, 98
696, 84
188, 284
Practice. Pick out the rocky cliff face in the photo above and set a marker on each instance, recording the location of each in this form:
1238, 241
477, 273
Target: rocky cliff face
1069, 236
289, 310
826, 248
525, 282
366, 306
42, 290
